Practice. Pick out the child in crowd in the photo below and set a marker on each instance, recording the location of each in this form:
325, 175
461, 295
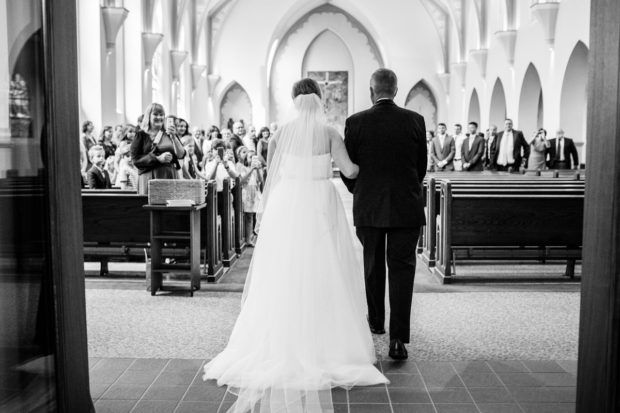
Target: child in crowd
111, 168
249, 170
98, 177
219, 168
127, 176
191, 166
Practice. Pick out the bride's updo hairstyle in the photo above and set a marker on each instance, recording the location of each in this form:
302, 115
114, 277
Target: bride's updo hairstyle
306, 86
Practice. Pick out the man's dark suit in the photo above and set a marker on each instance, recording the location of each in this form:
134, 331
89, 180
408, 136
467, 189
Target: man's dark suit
98, 179
473, 155
570, 153
519, 143
389, 145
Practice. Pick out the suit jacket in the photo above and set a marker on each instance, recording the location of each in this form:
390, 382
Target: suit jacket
518, 144
446, 153
98, 179
473, 155
389, 145
570, 153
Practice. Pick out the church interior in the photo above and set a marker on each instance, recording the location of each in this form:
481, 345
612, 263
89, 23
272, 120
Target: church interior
514, 301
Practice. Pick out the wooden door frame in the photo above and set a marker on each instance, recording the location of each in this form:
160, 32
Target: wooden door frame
62, 155
598, 384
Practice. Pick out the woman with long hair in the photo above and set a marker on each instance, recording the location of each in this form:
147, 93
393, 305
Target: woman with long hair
156, 150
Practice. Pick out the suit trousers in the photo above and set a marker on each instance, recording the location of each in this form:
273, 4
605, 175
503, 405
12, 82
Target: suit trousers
401, 261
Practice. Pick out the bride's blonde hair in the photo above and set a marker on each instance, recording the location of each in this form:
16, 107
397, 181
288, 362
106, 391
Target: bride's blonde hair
306, 86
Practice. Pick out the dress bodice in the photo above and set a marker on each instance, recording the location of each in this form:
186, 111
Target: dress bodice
319, 165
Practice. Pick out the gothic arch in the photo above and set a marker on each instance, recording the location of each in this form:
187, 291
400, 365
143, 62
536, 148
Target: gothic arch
287, 56
531, 108
421, 99
236, 104
473, 114
497, 107
574, 99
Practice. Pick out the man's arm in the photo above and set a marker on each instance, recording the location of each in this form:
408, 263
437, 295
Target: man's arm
351, 147
526, 150
450, 156
574, 154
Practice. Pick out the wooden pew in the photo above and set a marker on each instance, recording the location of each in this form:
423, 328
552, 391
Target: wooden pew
116, 226
427, 243
526, 223
229, 256
240, 241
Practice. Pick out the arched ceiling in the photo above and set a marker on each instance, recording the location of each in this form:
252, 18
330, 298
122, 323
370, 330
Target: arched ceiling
448, 16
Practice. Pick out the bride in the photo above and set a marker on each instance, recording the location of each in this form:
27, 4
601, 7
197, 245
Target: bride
302, 329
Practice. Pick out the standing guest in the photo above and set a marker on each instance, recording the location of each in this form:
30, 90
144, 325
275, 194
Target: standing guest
443, 150
429, 142
251, 179
117, 135
561, 151
273, 127
191, 165
510, 149
112, 169
88, 141
235, 140
262, 147
249, 140
459, 137
226, 135
212, 134
98, 177
199, 138
489, 139
473, 149
538, 151
105, 140
220, 169
83, 160
127, 177
156, 150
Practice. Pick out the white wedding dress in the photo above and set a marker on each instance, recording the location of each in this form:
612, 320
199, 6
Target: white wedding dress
302, 329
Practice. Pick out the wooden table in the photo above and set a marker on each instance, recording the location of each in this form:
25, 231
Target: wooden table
159, 235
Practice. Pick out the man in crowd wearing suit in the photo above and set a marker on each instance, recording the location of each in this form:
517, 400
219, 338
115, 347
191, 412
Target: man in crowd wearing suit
472, 149
98, 178
236, 139
389, 145
561, 151
487, 158
443, 150
510, 150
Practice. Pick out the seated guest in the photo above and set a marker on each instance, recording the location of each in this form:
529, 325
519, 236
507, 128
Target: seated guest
98, 177
443, 150
561, 151
538, 151
156, 150
507, 149
472, 149
219, 168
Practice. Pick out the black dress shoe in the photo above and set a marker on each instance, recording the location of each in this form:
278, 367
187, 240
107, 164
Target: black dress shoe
397, 350
376, 330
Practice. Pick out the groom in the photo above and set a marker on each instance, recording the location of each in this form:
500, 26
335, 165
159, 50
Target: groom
389, 145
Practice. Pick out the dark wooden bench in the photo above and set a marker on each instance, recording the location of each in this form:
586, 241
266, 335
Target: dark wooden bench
527, 223
431, 194
116, 227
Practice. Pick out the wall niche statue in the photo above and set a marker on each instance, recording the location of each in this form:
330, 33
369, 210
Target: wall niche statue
19, 108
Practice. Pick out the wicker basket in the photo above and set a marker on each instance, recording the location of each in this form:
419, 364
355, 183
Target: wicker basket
161, 190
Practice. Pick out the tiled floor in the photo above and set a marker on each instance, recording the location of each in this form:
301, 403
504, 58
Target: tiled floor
175, 385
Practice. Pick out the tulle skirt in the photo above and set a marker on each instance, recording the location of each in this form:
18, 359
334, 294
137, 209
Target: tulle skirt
302, 329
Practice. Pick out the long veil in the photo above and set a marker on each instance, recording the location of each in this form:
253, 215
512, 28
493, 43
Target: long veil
297, 142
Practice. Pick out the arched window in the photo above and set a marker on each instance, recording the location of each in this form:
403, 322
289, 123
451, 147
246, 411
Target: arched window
422, 100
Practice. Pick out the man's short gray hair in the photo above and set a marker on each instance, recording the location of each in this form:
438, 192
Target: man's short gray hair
384, 82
